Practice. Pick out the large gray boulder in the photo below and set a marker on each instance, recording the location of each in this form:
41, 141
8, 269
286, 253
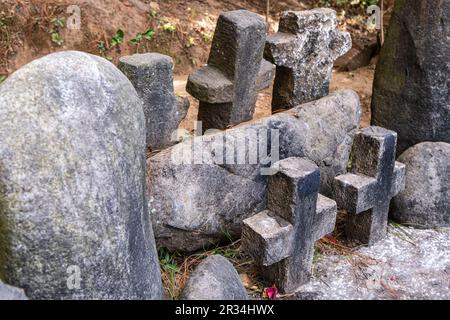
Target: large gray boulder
74, 221
425, 203
11, 293
411, 92
195, 204
214, 279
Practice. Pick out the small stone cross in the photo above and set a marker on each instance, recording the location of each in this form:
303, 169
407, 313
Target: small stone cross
281, 239
376, 178
304, 50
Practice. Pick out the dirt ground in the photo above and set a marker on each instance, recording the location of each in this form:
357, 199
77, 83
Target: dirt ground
181, 29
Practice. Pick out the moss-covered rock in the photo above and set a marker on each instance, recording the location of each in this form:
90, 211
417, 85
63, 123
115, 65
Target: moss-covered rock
411, 93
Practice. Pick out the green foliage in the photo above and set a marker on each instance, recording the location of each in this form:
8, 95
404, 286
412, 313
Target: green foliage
2, 78
152, 14
148, 35
170, 270
101, 46
118, 38
57, 39
190, 42
207, 37
59, 22
169, 27
167, 261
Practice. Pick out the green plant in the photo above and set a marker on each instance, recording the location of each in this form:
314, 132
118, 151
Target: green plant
170, 270
101, 47
207, 37
148, 35
190, 42
59, 22
152, 14
2, 78
118, 38
57, 39
169, 27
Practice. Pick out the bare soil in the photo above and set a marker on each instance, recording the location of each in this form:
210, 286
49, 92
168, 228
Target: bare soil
182, 29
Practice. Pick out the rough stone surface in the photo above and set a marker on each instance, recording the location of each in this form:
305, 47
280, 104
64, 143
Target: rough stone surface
425, 203
265, 76
304, 50
72, 159
227, 86
367, 192
151, 75
268, 238
411, 92
195, 205
293, 199
408, 264
11, 293
214, 279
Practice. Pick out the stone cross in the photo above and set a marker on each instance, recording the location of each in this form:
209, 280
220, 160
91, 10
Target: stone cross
281, 239
151, 76
227, 85
304, 50
375, 179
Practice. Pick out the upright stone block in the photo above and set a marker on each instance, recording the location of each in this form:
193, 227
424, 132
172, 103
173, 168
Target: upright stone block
411, 92
281, 240
227, 85
74, 222
151, 75
304, 51
376, 178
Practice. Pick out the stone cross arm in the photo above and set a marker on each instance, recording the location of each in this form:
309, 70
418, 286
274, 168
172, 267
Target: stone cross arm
269, 238
210, 85
356, 193
325, 219
279, 49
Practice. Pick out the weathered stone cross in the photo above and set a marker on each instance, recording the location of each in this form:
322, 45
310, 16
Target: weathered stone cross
281, 239
375, 179
227, 86
304, 51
